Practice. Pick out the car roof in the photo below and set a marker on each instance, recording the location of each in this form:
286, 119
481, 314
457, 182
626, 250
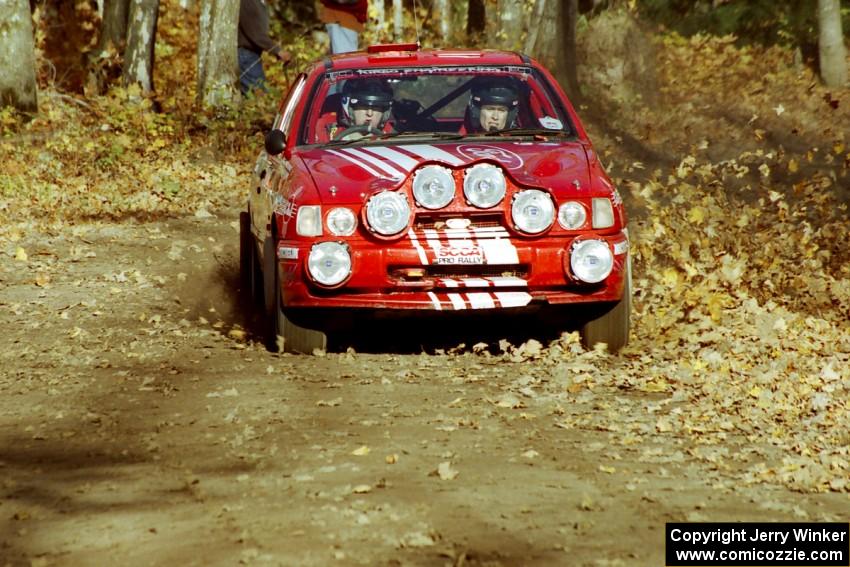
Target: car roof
406, 55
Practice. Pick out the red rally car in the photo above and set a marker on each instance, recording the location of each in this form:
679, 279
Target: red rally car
405, 180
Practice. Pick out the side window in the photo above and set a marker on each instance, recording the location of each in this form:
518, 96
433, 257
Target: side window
283, 121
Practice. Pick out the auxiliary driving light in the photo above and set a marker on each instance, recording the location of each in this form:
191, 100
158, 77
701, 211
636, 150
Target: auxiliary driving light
591, 260
329, 263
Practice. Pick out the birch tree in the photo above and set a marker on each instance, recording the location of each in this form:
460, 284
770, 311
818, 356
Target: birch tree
444, 16
505, 31
217, 63
398, 20
17, 56
534, 26
380, 14
833, 64
141, 36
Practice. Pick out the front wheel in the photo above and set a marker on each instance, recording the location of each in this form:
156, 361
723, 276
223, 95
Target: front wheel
282, 335
612, 327
246, 255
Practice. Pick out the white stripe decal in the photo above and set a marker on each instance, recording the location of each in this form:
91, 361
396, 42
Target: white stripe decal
356, 162
457, 301
491, 232
435, 301
475, 282
433, 153
508, 282
499, 251
445, 282
433, 240
423, 257
513, 298
404, 162
461, 244
393, 172
481, 300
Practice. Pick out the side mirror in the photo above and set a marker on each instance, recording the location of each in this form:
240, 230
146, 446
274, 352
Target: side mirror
275, 142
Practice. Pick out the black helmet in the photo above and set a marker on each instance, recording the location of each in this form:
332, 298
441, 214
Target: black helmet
496, 91
365, 93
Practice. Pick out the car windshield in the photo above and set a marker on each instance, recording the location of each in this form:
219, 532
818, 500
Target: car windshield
444, 102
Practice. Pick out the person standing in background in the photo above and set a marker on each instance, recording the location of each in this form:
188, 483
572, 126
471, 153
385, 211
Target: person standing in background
253, 39
344, 20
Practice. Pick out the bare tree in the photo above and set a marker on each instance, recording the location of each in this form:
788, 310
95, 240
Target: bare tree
17, 57
833, 62
141, 35
217, 64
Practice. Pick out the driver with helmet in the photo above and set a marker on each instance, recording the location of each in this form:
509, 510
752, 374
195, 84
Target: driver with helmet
365, 108
493, 105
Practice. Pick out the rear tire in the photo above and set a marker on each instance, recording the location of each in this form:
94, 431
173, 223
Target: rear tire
612, 327
281, 333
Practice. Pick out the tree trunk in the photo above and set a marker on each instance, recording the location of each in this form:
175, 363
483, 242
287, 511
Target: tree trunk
445, 16
534, 25
17, 57
217, 63
475, 18
546, 46
398, 20
505, 32
379, 9
833, 65
113, 30
569, 63
141, 37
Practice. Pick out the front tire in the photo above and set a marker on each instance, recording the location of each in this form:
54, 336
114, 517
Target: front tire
282, 335
246, 255
612, 327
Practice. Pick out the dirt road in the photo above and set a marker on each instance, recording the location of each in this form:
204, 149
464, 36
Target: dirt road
140, 425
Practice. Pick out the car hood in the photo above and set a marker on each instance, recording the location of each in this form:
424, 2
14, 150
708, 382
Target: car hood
349, 173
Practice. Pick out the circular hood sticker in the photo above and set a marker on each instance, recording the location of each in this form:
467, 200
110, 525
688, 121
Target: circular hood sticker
482, 151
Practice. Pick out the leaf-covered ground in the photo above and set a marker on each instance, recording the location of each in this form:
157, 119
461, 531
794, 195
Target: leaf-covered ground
142, 422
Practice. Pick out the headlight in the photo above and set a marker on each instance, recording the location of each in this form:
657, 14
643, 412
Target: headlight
572, 215
533, 211
341, 222
433, 187
309, 221
329, 263
484, 185
603, 213
591, 260
388, 213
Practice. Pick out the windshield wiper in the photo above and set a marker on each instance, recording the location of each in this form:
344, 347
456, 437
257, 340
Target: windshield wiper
520, 132
414, 133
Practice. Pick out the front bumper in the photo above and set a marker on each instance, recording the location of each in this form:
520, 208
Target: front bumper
422, 273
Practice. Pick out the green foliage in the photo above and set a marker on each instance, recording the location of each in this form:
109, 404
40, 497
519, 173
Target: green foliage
792, 22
